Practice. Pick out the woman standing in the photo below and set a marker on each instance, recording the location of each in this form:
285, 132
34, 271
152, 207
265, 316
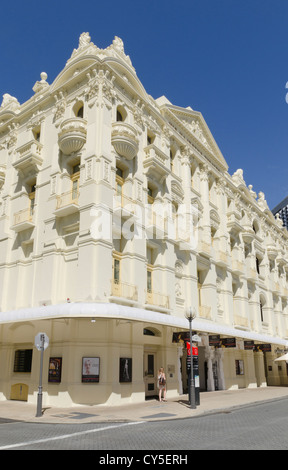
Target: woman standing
162, 384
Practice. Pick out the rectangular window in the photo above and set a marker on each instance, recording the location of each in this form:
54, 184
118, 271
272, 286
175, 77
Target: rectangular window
75, 178
239, 367
23, 360
116, 273
150, 363
32, 199
149, 281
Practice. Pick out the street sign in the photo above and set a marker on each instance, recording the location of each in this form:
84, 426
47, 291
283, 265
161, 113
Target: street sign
41, 341
196, 338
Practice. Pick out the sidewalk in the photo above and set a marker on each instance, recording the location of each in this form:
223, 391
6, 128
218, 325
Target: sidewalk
151, 410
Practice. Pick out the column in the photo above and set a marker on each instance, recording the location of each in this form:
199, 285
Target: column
221, 379
204, 189
209, 356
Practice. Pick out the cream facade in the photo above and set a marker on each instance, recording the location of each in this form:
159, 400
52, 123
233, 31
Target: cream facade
117, 215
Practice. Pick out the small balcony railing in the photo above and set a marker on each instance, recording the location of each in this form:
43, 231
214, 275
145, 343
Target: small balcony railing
241, 321
205, 312
157, 299
124, 290
67, 203
23, 220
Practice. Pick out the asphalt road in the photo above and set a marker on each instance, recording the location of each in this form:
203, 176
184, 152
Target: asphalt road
254, 427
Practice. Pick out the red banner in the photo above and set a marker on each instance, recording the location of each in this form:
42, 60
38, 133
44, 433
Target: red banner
194, 349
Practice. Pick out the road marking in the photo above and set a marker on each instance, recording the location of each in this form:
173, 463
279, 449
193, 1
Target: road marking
67, 436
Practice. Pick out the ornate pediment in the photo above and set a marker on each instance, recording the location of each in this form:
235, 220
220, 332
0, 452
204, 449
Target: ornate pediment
87, 47
192, 125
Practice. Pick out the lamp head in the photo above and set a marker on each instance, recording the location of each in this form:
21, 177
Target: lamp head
190, 314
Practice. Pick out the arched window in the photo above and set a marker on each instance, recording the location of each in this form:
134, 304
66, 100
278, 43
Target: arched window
151, 332
121, 114
261, 311
80, 112
78, 109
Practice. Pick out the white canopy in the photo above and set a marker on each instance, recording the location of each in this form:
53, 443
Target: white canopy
122, 312
282, 358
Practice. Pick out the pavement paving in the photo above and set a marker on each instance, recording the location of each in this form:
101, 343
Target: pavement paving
151, 410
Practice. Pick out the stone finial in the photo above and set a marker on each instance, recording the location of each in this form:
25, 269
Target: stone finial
42, 84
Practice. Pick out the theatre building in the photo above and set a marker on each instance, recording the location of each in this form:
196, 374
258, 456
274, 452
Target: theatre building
118, 215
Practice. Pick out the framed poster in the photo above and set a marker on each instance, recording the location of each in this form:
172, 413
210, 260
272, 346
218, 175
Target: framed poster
55, 369
90, 369
125, 369
228, 342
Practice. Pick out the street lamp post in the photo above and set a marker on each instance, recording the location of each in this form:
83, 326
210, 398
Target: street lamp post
39, 397
41, 343
190, 315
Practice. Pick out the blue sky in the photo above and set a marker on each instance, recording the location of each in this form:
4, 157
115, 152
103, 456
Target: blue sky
227, 59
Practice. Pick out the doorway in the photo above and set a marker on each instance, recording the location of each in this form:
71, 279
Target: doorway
150, 374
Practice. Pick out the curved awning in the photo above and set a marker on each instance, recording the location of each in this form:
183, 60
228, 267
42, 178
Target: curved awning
122, 312
282, 358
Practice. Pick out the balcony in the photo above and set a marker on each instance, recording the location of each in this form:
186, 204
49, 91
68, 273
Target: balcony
23, 220
241, 322
251, 274
275, 287
67, 203
124, 140
221, 258
156, 299
205, 312
156, 223
233, 222
29, 158
156, 163
204, 249
237, 267
123, 206
72, 135
124, 290
248, 235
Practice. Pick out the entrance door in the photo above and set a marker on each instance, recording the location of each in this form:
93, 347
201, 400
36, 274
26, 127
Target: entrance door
150, 374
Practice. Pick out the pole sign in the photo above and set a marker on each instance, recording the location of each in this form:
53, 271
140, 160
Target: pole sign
195, 362
194, 349
41, 341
